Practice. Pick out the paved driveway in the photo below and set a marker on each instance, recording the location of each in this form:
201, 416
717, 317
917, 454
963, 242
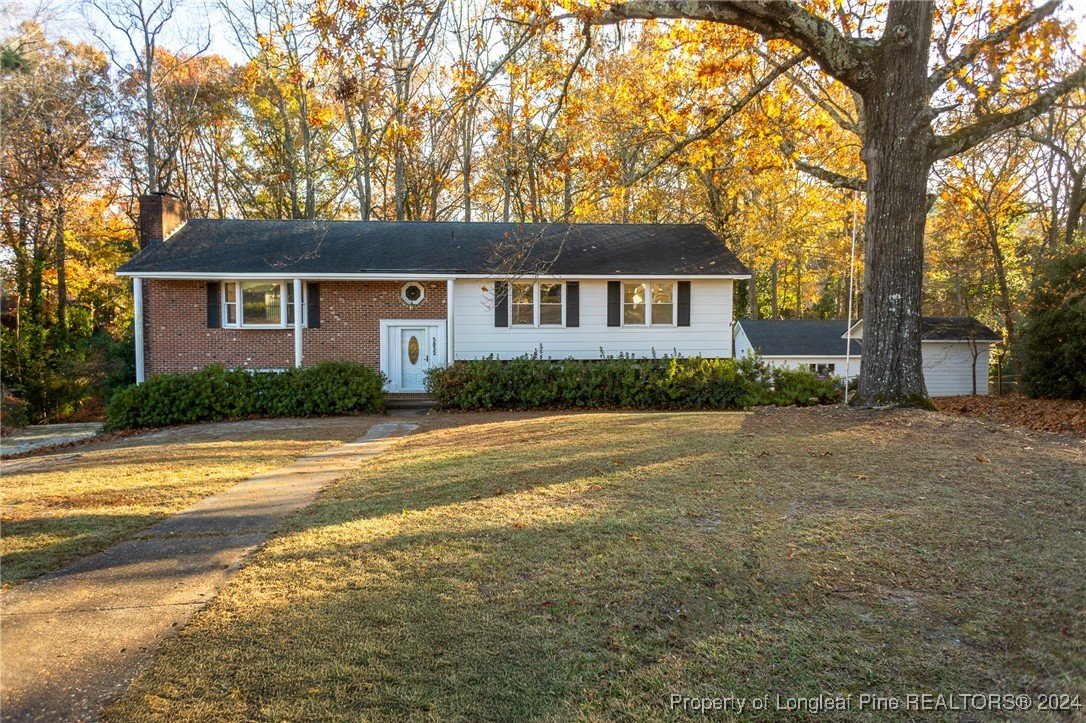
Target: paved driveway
45, 435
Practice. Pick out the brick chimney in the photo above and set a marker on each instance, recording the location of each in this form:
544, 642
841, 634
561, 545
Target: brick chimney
160, 215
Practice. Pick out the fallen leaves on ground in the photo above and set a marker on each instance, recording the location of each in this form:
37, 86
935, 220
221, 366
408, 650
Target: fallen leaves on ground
1066, 416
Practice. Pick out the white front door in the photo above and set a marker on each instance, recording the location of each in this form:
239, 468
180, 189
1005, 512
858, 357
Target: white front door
415, 353
409, 348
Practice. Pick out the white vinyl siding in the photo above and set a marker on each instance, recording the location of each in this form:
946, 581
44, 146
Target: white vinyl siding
742, 343
709, 333
948, 368
805, 362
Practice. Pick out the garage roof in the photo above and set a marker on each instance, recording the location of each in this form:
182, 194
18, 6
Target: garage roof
798, 337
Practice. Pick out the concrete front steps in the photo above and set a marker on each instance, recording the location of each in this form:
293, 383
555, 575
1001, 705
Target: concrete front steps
408, 400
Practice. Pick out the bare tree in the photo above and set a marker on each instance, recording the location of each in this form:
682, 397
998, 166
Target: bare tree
141, 23
1061, 169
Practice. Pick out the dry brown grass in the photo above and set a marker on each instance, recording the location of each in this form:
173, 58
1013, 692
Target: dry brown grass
586, 566
77, 501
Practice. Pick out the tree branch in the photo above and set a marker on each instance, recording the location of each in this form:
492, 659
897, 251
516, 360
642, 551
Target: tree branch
1051, 144
587, 31
987, 126
975, 47
716, 125
836, 180
837, 55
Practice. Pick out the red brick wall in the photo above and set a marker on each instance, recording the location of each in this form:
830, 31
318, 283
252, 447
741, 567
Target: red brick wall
160, 216
177, 339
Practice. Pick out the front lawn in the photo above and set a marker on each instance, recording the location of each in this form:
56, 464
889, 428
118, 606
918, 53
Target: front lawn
588, 566
58, 507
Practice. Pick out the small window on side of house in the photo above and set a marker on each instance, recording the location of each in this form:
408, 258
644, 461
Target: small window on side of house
663, 304
290, 303
522, 298
633, 304
230, 303
550, 304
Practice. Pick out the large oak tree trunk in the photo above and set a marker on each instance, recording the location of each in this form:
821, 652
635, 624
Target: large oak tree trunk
896, 155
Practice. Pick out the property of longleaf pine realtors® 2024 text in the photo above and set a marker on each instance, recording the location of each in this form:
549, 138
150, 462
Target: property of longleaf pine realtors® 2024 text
932, 702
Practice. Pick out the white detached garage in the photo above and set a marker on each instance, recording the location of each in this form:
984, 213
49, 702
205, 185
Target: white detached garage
955, 349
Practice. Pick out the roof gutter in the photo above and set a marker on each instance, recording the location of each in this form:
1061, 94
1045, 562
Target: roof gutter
405, 275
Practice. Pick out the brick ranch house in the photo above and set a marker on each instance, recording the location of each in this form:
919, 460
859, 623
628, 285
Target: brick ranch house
404, 296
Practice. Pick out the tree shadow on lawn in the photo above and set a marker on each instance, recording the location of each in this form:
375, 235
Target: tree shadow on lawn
35, 545
478, 626
581, 595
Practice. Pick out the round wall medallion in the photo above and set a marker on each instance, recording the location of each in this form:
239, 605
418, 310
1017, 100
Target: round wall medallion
412, 293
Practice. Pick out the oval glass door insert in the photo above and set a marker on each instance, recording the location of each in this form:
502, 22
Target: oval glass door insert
413, 350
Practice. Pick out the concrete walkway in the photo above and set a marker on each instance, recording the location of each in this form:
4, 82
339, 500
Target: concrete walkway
74, 639
46, 435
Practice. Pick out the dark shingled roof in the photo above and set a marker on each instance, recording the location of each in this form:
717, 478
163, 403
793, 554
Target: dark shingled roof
817, 337
955, 328
349, 247
794, 337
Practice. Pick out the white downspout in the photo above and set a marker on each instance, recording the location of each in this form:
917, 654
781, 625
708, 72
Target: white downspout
298, 323
137, 323
450, 322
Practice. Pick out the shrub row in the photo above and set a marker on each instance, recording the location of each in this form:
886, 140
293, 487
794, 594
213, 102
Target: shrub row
530, 382
214, 393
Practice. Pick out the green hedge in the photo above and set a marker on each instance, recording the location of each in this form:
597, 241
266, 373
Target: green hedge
530, 382
214, 393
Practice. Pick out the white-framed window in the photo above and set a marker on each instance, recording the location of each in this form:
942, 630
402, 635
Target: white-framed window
648, 304
259, 304
522, 301
551, 298
539, 303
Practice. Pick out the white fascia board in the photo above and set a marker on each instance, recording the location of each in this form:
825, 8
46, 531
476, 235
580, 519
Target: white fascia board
285, 274
808, 356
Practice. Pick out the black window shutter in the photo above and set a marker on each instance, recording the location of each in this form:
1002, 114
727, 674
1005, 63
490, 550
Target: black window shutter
501, 305
313, 305
684, 303
213, 305
573, 303
614, 303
